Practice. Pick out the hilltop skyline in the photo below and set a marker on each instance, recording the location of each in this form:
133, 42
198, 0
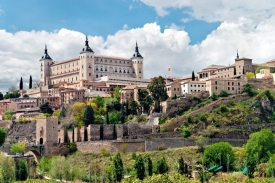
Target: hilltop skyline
183, 35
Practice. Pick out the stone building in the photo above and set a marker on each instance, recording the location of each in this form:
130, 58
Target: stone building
89, 66
46, 130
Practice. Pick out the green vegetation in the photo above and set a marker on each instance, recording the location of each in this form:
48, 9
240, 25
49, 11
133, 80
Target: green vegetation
3, 136
8, 115
219, 154
88, 117
139, 167
19, 147
261, 67
46, 108
21, 170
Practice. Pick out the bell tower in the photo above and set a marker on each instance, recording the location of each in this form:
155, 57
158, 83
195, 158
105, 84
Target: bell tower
86, 66
137, 61
45, 63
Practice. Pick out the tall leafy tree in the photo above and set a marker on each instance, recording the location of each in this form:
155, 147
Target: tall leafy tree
262, 144
181, 166
3, 136
218, 154
145, 100
30, 82
139, 167
158, 92
88, 115
21, 84
193, 76
118, 167
133, 107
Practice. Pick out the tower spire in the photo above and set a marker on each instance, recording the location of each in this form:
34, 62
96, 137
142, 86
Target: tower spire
237, 55
46, 55
137, 54
87, 47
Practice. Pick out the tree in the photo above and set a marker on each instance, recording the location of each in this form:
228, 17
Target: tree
46, 108
182, 167
21, 171
186, 133
193, 76
62, 112
235, 72
99, 101
118, 167
270, 170
19, 147
162, 166
262, 144
7, 167
117, 93
133, 107
57, 167
145, 100
150, 166
115, 117
250, 74
44, 165
3, 136
1, 96
30, 82
21, 84
8, 115
158, 92
139, 167
218, 154
88, 116
78, 110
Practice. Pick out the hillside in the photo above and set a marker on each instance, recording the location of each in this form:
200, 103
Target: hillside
241, 114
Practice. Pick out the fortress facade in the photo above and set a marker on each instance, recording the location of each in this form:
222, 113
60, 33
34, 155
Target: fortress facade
90, 67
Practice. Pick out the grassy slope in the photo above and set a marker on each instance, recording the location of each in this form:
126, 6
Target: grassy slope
250, 111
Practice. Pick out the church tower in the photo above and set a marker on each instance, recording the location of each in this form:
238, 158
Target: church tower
86, 66
45, 63
137, 61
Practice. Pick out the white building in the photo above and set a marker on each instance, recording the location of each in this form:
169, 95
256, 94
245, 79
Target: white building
192, 86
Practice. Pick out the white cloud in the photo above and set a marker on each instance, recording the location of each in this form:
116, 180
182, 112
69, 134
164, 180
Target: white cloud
216, 10
125, 26
20, 52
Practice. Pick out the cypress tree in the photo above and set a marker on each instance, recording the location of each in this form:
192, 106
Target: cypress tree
118, 167
88, 115
139, 167
21, 84
193, 76
181, 166
150, 166
30, 83
162, 166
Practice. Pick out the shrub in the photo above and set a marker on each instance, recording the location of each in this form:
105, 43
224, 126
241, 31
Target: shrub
18, 148
223, 93
162, 166
104, 151
248, 88
201, 142
134, 155
161, 147
214, 96
182, 167
186, 133
162, 119
223, 109
72, 147
118, 167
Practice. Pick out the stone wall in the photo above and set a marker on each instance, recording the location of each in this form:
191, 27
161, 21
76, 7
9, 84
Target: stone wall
110, 146
21, 132
161, 144
262, 83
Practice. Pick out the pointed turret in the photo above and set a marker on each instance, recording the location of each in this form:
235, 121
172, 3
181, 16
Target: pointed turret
46, 55
137, 54
87, 47
237, 55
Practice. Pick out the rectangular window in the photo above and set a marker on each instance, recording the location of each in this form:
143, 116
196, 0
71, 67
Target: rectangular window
228, 88
233, 88
89, 74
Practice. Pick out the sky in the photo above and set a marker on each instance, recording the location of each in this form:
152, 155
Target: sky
185, 35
